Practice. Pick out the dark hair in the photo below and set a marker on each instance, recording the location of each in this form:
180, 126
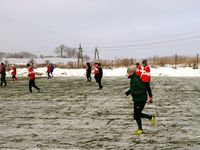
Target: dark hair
137, 64
144, 62
28, 65
2, 63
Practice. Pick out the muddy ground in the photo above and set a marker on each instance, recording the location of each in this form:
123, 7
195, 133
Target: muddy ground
71, 113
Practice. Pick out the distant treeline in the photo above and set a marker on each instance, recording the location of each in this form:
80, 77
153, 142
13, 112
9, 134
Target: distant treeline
69, 52
17, 55
183, 61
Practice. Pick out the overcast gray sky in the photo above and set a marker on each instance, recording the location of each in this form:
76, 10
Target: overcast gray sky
119, 28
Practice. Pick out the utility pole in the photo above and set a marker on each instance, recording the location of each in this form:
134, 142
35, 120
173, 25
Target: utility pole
80, 54
96, 55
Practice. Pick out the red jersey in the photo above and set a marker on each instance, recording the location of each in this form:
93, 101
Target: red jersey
3, 69
138, 71
48, 68
31, 73
96, 70
145, 76
14, 70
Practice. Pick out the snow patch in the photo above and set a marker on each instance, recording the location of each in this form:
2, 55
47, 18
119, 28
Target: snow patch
162, 71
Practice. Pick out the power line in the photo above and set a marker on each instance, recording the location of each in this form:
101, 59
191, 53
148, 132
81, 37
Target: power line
160, 47
148, 39
159, 37
152, 43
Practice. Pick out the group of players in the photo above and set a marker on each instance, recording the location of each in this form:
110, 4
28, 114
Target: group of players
139, 85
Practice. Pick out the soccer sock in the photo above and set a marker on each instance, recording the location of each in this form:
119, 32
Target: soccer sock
139, 123
146, 116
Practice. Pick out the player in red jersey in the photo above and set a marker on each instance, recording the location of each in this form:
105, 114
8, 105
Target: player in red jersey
146, 78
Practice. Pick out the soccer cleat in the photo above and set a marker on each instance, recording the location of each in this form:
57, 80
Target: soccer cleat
152, 120
138, 132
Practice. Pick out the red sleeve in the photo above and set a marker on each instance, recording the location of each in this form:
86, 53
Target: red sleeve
147, 69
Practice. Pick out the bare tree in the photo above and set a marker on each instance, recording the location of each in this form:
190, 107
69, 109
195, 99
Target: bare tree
86, 57
71, 52
59, 50
62, 47
41, 56
47, 61
68, 52
74, 53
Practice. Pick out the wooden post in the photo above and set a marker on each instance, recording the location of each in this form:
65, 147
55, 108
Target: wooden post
112, 64
176, 57
197, 61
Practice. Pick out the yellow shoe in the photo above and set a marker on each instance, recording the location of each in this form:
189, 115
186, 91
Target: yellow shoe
138, 132
152, 120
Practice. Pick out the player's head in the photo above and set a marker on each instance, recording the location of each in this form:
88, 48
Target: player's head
137, 64
131, 70
144, 62
28, 65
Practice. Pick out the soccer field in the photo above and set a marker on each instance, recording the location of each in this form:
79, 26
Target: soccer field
71, 113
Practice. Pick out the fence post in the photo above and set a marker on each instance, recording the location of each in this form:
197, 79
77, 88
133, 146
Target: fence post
197, 61
176, 57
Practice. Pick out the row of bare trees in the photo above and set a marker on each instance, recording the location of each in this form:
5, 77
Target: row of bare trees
17, 55
68, 52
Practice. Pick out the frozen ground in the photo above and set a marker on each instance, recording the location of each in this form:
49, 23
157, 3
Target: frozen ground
71, 113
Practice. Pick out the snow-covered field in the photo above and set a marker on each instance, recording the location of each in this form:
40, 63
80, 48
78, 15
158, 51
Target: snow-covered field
162, 71
71, 113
